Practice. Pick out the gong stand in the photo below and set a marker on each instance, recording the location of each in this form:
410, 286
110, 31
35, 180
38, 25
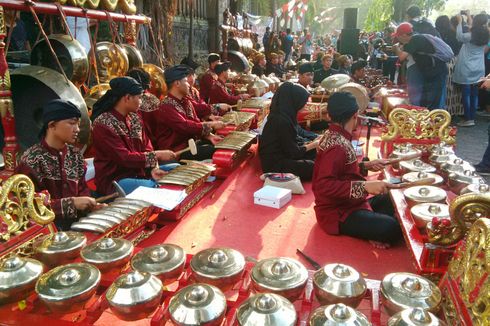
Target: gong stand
11, 148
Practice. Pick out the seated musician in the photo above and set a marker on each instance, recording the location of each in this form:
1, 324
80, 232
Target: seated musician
326, 69
259, 65
209, 78
358, 71
57, 166
341, 203
204, 111
273, 66
278, 147
176, 121
123, 151
219, 92
305, 74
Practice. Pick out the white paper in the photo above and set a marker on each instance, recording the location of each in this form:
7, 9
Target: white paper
160, 197
267, 96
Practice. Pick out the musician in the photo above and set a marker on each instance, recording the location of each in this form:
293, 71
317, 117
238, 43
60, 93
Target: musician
358, 71
273, 66
305, 74
56, 166
203, 110
259, 65
219, 92
176, 121
341, 203
123, 151
278, 147
208, 79
326, 70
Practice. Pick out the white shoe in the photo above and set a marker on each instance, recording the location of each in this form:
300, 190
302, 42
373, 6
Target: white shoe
467, 123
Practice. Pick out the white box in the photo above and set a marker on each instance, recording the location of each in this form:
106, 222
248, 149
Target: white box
272, 196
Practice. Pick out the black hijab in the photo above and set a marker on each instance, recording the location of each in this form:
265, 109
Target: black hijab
288, 100
120, 86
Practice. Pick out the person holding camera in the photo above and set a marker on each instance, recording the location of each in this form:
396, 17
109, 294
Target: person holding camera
470, 63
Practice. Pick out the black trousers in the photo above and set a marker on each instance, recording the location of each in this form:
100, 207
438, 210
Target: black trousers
205, 151
302, 168
377, 225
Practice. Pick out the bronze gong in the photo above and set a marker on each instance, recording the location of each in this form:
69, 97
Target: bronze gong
33, 87
70, 53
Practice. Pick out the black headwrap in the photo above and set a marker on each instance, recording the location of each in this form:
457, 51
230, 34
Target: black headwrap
223, 66
120, 86
176, 72
341, 107
189, 62
57, 110
305, 68
213, 57
141, 76
288, 100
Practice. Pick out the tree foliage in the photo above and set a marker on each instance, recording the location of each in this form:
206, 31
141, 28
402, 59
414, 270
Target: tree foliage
381, 12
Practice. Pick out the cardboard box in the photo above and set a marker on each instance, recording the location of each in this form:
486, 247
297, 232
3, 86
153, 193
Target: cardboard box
272, 196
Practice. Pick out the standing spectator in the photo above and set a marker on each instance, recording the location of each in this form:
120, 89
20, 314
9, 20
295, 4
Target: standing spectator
306, 46
453, 93
427, 86
287, 44
265, 39
421, 25
274, 43
484, 166
470, 64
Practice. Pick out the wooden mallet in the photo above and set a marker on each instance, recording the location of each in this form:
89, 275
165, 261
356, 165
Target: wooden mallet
119, 193
191, 147
405, 158
420, 182
238, 105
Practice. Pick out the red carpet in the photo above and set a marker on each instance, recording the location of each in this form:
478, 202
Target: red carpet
228, 217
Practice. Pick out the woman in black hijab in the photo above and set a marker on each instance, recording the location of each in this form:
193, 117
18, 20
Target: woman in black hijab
278, 147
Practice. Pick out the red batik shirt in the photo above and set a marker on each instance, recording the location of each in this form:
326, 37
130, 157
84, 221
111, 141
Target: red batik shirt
203, 110
219, 94
60, 172
122, 149
206, 83
337, 183
174, 123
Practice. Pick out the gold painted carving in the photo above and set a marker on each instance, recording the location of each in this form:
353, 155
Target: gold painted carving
130, 225
470, 267
3, 29
19, 205
419, 124
6, 105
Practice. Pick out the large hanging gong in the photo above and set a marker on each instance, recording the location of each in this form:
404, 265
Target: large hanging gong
70, 53
239, 62
158, 87
135, 59
112, 61
33, 87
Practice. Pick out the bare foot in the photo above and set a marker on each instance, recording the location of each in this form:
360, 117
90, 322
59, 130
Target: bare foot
379, 245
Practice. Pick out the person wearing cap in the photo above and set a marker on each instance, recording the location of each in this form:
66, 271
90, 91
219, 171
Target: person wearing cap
209, 78
279, 150
123, 150
56, 165
326, 70
305, 74
203, 110
219, 92
426, 74
176, 121
341, 192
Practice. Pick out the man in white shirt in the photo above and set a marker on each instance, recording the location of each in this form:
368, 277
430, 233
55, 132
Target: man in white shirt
306, 45
79, 29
